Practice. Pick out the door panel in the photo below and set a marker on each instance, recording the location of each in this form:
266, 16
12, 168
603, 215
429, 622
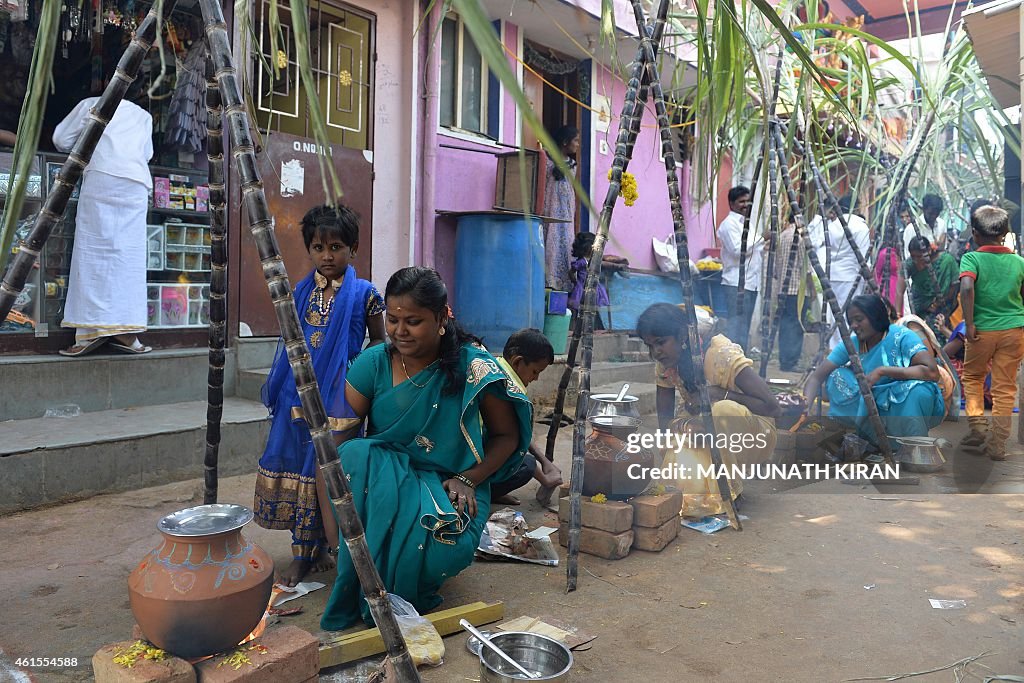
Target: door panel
533, 88
292, 183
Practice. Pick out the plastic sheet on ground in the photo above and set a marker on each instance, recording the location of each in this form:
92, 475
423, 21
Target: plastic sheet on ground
507, 535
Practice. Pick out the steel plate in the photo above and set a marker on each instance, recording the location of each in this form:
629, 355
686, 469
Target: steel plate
205, 520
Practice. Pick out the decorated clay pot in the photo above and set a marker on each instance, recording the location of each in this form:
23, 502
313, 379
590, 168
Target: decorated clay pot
204, 587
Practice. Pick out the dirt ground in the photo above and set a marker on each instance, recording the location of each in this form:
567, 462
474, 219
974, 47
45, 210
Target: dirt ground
825, 583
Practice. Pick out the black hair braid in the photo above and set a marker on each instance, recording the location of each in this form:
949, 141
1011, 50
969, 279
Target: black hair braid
452, 341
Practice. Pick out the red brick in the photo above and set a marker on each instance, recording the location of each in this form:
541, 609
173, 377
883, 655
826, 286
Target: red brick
599, 543
170, 670
612, 516
654, 540
654, 511
292, 656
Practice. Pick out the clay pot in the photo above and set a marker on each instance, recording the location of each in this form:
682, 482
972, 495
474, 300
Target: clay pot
607, 461
204, 587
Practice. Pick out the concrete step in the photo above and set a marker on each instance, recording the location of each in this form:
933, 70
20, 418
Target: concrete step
99, 382
49, 460
250, 382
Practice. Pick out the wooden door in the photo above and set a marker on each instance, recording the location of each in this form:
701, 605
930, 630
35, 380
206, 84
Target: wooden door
533, 88
342, 56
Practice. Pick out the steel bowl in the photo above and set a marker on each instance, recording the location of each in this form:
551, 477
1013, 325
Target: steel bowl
921, 453
606, 412
540, 655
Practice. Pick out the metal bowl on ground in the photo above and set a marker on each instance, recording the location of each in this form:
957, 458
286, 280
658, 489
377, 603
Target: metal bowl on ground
921, 453
545, 657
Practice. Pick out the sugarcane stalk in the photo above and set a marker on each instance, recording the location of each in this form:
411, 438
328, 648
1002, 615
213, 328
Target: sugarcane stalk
683, 255
71, 172
768, 336
218, 284
741, 282
629, 125
262, 227
635, 116
823, 191
844, 330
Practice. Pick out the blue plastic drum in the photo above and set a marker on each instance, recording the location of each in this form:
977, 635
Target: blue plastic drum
499, 276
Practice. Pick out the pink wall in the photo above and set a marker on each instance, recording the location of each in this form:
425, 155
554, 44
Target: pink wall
633, 227
465, 182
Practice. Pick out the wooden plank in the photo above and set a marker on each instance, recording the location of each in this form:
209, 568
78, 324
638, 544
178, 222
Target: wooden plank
349, 647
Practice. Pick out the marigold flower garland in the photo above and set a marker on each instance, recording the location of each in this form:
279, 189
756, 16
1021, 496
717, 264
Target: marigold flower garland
627, 187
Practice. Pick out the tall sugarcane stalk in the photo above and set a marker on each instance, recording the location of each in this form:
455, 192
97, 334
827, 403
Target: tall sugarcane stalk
844, 330
755, 181
635, 116
218, 283
71, 172
629, 125
683, 255
262, 227
823, 191
768, 337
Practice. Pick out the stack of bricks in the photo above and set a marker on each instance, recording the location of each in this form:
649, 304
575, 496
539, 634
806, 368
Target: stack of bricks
612, 528
656, 520
607, 527
285, 654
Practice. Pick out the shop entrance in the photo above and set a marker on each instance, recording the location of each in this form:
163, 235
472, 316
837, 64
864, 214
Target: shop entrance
341, 54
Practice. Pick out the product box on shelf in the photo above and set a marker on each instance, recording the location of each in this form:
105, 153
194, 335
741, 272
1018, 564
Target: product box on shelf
203, 198
155, 247
187, 247
177, 305
161, 192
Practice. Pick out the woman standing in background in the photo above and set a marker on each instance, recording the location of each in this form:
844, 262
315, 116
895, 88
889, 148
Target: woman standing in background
560, 203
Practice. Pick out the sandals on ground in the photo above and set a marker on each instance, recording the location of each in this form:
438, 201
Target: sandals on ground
136, 347
80, 349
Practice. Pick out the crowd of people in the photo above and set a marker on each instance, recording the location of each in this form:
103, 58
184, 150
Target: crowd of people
948, 314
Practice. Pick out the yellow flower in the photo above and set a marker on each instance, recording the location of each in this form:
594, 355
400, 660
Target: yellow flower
282, 59
627, 187
599, 498
140, 649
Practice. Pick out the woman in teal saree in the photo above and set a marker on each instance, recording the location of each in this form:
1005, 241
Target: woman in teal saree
442, 423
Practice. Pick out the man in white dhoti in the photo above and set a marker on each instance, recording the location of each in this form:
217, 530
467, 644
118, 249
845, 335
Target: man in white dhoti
844, 268
106, 301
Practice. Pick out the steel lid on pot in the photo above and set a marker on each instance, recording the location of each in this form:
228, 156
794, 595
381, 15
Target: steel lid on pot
204, 520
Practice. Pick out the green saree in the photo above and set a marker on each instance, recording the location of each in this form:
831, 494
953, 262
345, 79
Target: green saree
416, 437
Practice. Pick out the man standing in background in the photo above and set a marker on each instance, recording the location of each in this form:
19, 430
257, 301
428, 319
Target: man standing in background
730, 235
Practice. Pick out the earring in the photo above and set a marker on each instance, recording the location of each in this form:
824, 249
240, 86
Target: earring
441, 332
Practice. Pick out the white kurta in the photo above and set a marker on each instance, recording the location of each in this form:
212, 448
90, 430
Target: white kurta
107, 285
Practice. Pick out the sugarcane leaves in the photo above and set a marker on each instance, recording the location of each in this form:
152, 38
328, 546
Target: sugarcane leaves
29, 124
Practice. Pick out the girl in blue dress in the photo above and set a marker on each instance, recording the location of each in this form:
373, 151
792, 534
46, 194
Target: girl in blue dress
336, 310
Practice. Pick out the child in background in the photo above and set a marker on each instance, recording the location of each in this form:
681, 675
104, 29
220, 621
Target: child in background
954, 349
582, 251
527, 353
336, 309
992, 298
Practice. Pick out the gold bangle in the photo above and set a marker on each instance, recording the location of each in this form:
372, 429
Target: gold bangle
465, 480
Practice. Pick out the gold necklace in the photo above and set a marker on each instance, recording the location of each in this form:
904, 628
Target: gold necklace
407, 375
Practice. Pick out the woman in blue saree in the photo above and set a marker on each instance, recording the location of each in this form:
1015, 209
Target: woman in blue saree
443, 422
900, 370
